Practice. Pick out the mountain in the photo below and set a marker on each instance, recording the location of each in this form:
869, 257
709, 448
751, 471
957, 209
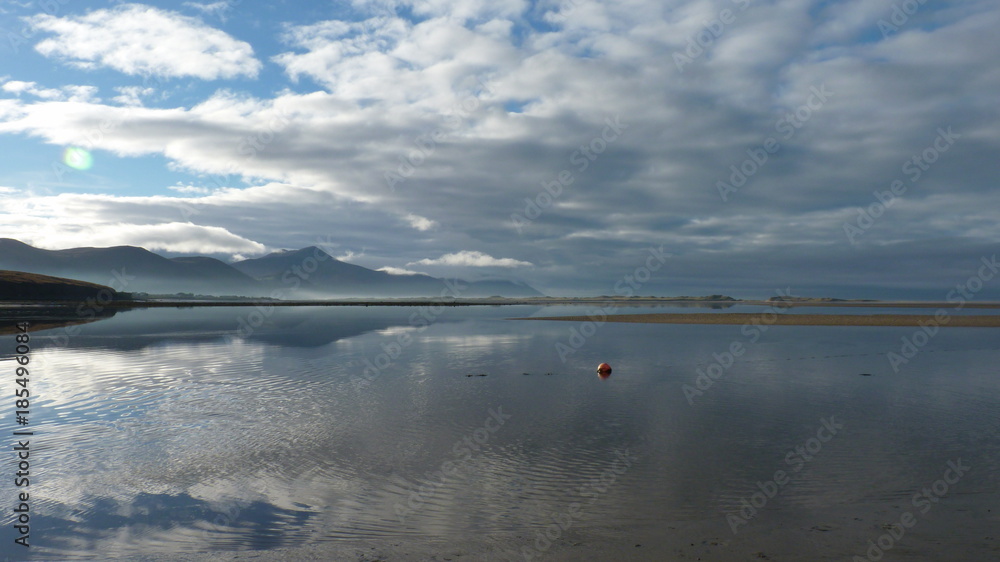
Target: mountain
132, 269
299, 264
311, 272
295, 274
21, 286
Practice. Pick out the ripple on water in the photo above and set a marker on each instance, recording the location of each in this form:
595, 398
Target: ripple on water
188, 446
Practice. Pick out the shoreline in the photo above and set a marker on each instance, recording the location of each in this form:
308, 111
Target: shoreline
486, 301
738, 318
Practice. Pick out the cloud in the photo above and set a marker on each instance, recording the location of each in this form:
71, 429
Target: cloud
192, 189
462, 10
399, 271
143, 40
132, 95
484, 114
350, 255
434, 64
73, 93
185, 238
420, 223
18, 87
156, 223
472, 259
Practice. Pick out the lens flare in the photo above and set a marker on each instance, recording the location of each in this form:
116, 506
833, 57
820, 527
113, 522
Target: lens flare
78, 158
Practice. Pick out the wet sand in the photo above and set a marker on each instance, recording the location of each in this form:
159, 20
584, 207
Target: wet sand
777, 319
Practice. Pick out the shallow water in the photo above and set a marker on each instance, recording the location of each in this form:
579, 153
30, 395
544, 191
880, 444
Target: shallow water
170, 431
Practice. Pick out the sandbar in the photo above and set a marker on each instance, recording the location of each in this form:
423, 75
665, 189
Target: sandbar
778, 319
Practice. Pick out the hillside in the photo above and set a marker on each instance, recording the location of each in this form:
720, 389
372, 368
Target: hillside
130, 268
312, 273
21, 286
309, 273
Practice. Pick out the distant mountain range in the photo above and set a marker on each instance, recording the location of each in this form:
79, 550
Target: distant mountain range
292, 274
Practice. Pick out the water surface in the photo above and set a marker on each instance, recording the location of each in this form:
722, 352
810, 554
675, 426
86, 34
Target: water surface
165, 432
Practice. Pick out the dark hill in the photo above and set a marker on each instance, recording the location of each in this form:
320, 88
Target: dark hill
21, 286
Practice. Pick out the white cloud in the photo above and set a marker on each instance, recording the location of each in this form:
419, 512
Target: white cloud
18, 87
74, 93
143, 40
420, 223
350, 255
132, 95
399, 271
434, 64
469, 9
337, 51
192, 189
176, 237
81, 94
156, 223
472, 259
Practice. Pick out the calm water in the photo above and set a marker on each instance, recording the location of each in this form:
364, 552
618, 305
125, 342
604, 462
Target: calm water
180, 431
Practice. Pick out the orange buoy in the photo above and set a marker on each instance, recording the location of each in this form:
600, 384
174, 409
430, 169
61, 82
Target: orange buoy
604, 368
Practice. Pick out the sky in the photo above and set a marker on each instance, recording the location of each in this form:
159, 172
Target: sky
588, 147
